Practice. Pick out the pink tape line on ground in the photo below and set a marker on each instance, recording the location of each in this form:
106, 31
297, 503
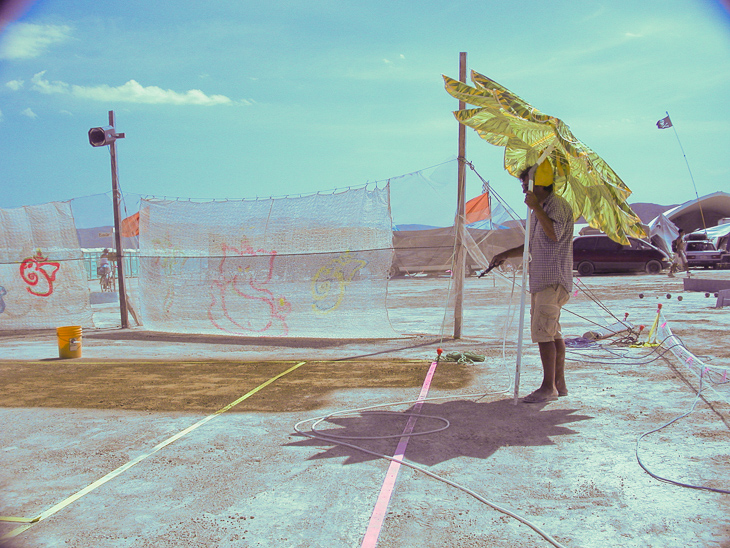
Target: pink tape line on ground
386, 491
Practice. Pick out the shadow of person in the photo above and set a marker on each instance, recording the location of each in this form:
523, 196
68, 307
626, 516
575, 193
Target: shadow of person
476, 429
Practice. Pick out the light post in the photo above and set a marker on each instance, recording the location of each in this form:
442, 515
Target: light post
99, 137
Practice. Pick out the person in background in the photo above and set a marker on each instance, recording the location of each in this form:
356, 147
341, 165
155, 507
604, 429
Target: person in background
551, 275
104, 268
679, 247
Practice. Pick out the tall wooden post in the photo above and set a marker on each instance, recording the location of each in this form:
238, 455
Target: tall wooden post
116, 195
460, 259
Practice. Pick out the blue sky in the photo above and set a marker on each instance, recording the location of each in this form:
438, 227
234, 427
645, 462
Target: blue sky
237, 99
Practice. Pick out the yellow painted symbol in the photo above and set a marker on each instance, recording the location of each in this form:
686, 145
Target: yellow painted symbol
328, 285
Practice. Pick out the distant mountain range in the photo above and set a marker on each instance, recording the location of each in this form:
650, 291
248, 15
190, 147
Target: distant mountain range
647, 212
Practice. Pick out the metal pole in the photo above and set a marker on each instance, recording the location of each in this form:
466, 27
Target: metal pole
523, 295
460, 260
702, 215
525, 266
116, 195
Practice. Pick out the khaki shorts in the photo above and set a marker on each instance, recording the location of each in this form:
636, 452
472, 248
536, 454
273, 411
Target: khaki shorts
545, 313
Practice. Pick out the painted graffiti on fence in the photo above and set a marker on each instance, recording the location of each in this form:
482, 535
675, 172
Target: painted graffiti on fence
328, 285
166, 268
239, 291
39, 273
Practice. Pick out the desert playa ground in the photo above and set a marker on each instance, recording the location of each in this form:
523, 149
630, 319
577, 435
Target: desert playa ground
157, 440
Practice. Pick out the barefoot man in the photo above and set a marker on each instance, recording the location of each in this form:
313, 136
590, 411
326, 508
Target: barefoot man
551, 276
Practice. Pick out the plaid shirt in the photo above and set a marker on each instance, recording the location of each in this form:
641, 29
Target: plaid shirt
552, 262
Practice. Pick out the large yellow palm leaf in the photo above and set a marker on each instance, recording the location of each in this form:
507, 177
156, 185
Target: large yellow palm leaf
581, 176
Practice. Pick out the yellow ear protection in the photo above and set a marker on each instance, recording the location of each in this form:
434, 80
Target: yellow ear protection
543, 174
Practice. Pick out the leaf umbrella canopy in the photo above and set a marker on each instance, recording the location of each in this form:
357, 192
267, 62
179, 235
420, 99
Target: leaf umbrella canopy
581, 176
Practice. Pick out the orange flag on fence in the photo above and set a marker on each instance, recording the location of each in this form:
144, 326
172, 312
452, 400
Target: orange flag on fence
130, 226
477, 209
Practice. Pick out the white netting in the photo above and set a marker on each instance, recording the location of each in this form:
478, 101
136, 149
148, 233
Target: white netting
312, 266
43, 283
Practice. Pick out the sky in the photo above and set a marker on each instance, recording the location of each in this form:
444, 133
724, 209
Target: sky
238, 99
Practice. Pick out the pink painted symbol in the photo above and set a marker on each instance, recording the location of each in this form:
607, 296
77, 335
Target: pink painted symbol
689, 360
575, 293
664, 324
239, 301
724, 375
38, 270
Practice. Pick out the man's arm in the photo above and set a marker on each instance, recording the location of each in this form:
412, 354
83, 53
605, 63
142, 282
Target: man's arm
499, 258
545, 222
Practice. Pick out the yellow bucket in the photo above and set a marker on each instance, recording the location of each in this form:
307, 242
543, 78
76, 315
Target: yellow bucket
69, 341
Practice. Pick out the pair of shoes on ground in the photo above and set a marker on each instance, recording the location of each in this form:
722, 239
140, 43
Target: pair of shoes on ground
536, 397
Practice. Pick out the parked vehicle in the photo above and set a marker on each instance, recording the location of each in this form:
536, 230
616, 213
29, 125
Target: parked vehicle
599, 253
703, 253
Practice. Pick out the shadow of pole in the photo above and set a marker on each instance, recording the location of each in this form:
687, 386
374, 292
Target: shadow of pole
238, 340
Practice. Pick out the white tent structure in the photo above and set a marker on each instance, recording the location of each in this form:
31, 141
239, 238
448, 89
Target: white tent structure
699, 214
662, 232
703, 214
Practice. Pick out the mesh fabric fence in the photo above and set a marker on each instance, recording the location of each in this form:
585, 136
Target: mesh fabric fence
312, 266
43, 283
315, 266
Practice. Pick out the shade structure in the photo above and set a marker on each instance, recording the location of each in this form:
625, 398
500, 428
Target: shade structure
581, 176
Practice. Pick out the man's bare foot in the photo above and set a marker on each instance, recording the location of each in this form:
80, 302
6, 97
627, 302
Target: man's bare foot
562, 388
541, 396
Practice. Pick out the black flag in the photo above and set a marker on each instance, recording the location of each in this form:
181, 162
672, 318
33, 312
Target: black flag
664, 123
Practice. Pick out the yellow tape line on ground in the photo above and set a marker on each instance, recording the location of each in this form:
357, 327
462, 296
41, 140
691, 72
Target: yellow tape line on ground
101, 481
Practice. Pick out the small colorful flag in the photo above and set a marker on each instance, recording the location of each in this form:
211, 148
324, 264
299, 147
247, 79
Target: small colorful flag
130, 226
664, 123
478, 209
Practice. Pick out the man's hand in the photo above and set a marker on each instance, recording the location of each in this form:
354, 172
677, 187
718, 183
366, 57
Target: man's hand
497, 260
531, 200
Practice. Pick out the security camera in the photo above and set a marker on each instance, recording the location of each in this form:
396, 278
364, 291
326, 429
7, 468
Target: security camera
102, 136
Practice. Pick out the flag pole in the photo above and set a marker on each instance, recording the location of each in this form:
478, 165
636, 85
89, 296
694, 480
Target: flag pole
690, 171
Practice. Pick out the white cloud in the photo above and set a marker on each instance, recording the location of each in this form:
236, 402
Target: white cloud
396, 61
29, 113
28, 40
15, 85
44, 86
131, 92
